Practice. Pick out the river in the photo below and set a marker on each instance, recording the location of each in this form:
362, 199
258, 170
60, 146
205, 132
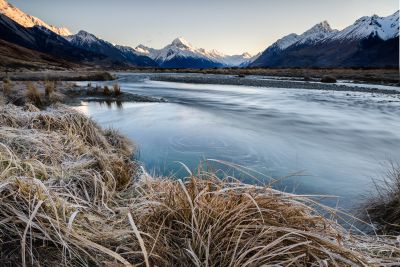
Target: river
307, 141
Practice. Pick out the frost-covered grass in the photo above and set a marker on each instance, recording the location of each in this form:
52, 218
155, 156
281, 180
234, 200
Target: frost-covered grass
72, 196
383, 208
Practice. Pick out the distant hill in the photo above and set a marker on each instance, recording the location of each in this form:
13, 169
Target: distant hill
13, 56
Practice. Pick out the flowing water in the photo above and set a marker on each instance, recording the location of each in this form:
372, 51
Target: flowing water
335, 142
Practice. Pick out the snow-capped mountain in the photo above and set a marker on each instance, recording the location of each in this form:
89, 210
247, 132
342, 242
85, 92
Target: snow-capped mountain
317, 33
182, 54
27, 20
369, 42
120, 54
383, 27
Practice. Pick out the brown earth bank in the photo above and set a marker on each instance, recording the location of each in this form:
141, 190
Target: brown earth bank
58, 75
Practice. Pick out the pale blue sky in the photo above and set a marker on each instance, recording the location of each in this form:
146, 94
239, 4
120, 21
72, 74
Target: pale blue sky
230, 26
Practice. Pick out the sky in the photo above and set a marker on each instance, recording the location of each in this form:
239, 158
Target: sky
230, 26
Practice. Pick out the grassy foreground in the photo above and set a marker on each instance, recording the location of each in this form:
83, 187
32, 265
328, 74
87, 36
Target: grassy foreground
72, 196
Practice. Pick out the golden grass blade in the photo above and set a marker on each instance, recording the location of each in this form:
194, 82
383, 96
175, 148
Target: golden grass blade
140, 239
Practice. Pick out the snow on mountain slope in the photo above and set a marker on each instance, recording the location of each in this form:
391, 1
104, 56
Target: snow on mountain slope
85, 39
181, 48
26, 20
369, 42
317, 33
384, 27
123, 54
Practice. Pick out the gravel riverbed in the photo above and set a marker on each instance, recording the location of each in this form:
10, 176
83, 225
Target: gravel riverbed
250, 81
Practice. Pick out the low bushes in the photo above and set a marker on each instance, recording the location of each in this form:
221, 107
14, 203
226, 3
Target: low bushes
328, 79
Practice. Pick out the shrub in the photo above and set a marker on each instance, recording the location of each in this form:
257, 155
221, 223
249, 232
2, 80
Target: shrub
33, 95
328, 79
106, 90
101, 76
117, 89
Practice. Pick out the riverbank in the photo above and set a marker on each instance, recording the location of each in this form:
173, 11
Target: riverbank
52, 75
72, 195
370, 76
260, 82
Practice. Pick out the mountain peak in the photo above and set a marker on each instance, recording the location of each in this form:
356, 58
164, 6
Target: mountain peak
181, 42
27, 20
322, 27
83, 33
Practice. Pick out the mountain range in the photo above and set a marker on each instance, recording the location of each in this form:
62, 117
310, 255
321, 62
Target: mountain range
180, 53
369, 42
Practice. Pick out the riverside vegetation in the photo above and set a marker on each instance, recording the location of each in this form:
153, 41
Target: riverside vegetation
71, 195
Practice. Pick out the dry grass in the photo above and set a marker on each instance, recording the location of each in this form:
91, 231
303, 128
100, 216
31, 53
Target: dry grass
49, 88
106, 90
117, 89
71, 196
33, 94
7, 87
384, 207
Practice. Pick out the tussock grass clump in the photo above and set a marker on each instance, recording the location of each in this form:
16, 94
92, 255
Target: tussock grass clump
384, 207
106, 90
49, 87
7, 87
71, 196
33, 94
117, 89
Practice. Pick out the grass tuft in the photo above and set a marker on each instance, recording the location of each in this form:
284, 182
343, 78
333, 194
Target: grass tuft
7, 87
49, 88
106, 90
33, 94
117, 89
383, 208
